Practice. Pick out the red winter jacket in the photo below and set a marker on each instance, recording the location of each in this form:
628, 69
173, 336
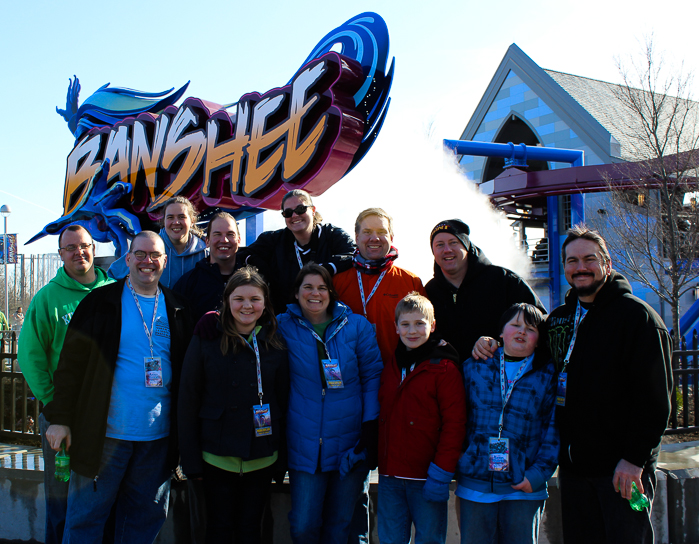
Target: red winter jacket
422, 420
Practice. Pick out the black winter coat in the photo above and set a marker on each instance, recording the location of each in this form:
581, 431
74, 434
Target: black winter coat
217, 395
273, 253
83, 379
202, 287
619, 380
473, 310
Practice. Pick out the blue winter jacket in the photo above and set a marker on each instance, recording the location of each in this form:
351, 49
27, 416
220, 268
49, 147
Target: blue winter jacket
529, 423
323, 424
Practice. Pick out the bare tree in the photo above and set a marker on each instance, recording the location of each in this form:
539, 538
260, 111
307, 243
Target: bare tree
653, 220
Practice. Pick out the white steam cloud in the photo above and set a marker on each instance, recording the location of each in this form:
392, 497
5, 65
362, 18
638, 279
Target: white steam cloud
419, 185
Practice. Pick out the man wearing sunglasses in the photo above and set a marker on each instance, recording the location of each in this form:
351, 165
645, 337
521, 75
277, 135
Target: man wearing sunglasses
115, 399
40, 344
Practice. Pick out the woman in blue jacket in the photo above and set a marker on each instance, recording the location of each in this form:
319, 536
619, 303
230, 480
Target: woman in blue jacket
335, 367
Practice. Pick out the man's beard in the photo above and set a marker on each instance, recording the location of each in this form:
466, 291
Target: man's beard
590, 289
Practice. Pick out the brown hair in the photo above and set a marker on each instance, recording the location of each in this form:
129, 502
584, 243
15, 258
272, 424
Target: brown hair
248, 275
304, 197
313, 269
580, 231
221, 215
191, 211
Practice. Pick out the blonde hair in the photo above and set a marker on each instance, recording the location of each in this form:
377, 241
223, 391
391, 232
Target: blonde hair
415, 302
373, 211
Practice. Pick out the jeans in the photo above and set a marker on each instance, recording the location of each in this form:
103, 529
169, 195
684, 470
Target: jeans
359, 526
504, 522
135, 477
401, 505
322, 504
56, 492
594, 512
235, 504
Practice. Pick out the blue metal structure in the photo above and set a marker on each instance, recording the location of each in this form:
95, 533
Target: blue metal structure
517, 156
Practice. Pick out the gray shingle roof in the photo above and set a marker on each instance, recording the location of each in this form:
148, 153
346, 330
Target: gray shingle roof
600, 99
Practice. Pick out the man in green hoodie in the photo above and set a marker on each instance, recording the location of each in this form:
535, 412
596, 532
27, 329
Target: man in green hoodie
40, 344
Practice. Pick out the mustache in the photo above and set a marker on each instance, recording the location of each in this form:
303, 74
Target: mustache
577, 274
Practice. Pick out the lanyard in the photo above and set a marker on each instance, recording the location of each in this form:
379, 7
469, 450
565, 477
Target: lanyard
257, 360
149, 333
315, 334
579, 316
404, 372
505, 392
298, 255
361, 289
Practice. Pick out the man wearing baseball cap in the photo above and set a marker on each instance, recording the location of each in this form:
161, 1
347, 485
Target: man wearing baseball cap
468, 292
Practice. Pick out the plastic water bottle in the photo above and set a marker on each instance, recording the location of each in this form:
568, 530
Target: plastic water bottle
62, 473
638, 500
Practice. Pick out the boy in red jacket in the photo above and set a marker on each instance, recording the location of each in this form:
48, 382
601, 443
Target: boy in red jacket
422, 426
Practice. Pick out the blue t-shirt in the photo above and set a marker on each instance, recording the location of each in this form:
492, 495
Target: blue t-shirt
137, 412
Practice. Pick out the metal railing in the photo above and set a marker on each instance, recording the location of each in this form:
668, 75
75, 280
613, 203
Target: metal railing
685, 375
19, 409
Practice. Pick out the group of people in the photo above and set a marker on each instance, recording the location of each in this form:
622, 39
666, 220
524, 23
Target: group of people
311, 353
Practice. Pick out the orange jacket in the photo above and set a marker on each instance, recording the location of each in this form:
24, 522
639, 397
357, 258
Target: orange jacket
382, 307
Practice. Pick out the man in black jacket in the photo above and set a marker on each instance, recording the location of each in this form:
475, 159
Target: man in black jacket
468, 292
202, 287
115, 400
614, 354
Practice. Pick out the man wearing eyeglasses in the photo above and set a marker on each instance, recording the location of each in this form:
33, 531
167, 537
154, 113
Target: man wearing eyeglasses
40, 344
116, 397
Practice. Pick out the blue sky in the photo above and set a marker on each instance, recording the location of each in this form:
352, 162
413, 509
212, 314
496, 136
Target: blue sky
446, 52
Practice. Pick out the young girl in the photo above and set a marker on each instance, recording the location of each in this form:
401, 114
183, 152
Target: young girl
182, 238
511, 436
232, 408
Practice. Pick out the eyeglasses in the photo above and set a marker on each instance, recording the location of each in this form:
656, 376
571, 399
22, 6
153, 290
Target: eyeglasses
72, 247
141, 255
298, 210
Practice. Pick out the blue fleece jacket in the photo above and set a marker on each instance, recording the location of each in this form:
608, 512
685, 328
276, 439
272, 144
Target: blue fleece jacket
324, 424
178, 264
529, 424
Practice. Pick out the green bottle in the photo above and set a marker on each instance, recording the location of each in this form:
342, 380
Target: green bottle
62, 473
638, 500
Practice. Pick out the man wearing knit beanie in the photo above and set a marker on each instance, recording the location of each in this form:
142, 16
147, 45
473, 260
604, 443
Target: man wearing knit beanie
468, 292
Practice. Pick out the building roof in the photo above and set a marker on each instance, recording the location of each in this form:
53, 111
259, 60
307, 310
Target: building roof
590, 106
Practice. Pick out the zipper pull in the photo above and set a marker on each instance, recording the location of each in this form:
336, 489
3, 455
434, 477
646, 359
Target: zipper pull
454, 297
94, 483
321, 441
323, 392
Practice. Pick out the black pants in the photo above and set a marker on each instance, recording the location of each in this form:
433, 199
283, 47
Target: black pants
594, 512
235, 504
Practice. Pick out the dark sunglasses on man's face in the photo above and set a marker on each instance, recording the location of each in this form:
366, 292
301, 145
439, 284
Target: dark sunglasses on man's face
298, 210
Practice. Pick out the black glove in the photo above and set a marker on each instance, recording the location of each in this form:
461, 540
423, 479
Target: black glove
369, 440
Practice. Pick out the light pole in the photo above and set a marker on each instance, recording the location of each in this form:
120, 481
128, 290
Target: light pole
5, 211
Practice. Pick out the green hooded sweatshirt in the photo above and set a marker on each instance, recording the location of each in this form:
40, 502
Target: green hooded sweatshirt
45, 327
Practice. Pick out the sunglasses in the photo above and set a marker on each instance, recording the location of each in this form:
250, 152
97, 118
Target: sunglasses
298, 210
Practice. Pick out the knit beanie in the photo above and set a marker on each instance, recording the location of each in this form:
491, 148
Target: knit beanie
453, 226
